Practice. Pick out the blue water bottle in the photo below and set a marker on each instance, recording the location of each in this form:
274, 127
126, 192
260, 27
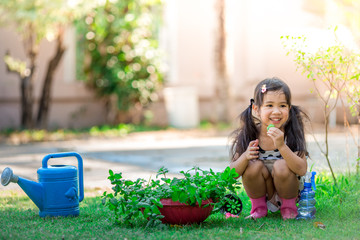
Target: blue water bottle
307, 201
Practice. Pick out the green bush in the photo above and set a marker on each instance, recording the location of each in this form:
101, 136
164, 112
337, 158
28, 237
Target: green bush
118, 51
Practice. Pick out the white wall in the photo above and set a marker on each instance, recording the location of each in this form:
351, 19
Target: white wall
254, 52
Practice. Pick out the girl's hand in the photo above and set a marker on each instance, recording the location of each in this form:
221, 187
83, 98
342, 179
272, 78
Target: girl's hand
252, 152
277, 136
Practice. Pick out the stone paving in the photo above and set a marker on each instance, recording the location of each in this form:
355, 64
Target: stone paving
141, 154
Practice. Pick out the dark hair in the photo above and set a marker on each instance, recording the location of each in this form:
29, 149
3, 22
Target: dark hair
248, 130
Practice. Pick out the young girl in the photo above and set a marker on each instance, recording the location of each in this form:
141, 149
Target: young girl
269, 150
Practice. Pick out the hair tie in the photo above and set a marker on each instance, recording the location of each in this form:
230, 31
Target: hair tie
252, 101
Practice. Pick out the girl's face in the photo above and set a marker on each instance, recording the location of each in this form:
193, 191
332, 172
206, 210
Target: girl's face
274, 110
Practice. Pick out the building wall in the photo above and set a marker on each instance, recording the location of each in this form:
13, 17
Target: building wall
254, 52
254, 49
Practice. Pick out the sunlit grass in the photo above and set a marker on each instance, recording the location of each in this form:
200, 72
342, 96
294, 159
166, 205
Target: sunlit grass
337, 208
34, 135
120, 130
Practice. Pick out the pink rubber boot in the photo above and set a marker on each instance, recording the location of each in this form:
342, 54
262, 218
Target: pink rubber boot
258, 207
288, 208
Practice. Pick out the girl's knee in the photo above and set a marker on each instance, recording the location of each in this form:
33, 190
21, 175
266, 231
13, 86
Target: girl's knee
254, 169
281, 170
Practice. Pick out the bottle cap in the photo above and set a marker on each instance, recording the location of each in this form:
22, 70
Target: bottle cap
313, 180
270, 126
310, 179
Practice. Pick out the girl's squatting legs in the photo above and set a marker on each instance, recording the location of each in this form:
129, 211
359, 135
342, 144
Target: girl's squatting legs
286, 185
258, 182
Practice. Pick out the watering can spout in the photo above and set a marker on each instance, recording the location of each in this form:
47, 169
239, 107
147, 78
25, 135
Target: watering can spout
33, 189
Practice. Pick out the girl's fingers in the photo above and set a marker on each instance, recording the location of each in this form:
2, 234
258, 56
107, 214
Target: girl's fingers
254, 143
253, 154
253, 148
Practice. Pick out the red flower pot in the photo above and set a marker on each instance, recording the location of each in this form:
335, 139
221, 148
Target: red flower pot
181, 213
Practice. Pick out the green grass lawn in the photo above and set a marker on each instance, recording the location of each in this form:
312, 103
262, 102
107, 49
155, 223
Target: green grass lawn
18, 136
337, 208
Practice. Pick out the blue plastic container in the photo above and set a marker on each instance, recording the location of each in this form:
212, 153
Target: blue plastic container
60, 187
307, 201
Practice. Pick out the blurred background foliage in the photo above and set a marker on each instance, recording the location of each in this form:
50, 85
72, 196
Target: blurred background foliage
118, 55
35, 21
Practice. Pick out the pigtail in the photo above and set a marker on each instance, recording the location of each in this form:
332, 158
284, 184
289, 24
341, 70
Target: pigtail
245, 134
295, 131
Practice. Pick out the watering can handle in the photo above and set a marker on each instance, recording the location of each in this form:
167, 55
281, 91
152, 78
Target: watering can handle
80, 166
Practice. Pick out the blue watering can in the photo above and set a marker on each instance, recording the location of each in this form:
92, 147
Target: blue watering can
59, 189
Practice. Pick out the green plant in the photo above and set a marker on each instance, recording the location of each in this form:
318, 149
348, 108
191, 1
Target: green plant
132, 198
119, 54
334, 72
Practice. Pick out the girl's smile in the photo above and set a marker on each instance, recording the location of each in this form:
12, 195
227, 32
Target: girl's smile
274, 110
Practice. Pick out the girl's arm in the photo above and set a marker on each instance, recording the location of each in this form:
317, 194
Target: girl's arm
296, 164
241, 162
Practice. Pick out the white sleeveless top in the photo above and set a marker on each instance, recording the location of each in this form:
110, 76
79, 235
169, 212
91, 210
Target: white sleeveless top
269, 155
